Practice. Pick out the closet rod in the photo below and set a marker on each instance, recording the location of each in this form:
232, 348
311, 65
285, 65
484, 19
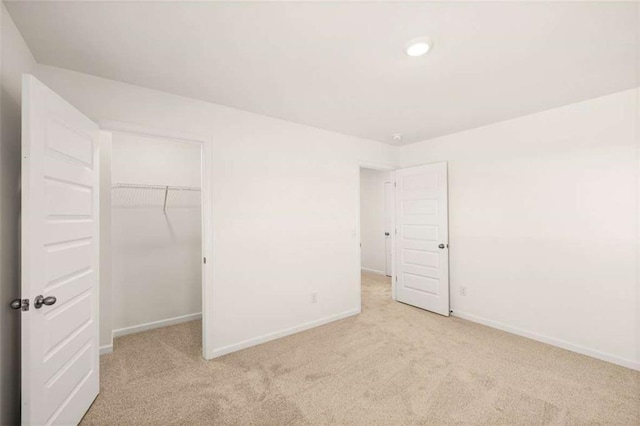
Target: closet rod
165, 188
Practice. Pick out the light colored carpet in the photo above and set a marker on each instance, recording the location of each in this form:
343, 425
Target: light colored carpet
392, 364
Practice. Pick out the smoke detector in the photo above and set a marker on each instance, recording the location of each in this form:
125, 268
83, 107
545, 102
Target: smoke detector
397, 137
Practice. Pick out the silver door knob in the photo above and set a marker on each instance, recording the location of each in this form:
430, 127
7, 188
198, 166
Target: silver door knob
441, 246
20, 304
40, 300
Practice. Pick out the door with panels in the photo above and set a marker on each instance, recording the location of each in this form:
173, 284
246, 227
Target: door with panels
60, 230
422, 242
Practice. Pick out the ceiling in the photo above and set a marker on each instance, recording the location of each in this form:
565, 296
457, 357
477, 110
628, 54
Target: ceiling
342, 66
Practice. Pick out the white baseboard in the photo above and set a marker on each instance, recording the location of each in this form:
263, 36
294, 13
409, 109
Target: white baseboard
107, 349
156, 324
373, 271
550, 340
278, 334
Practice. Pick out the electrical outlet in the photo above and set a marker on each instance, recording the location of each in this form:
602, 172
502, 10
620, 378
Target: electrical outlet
314, 297
463, 291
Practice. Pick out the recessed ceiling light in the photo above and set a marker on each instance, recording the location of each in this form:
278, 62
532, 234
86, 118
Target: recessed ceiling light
419, 46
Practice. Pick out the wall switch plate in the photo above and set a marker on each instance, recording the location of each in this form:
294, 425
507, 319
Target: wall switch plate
463, 291
314, 297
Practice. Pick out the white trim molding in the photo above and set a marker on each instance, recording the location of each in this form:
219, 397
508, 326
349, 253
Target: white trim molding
107, 349
156, 324
634, 365
373, 271
282, 333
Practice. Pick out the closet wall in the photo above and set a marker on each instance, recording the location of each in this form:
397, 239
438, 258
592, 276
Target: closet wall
156, 269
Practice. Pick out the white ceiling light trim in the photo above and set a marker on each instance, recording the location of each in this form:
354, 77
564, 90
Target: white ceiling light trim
419, 46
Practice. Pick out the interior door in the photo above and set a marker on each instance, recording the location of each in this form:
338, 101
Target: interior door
388, 227
422, 249
60, 369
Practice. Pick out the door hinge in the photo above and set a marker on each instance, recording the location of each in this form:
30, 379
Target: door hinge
395, 184
204, 260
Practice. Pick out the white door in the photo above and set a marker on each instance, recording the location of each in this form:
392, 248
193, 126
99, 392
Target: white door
388, 227
60, 376
422, 250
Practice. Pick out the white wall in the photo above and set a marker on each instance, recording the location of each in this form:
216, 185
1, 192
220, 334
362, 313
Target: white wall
285, 209
15, 59
543, 215
156, 258
372, 215
543, 224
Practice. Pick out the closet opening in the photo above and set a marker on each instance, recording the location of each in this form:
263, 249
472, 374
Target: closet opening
156, 248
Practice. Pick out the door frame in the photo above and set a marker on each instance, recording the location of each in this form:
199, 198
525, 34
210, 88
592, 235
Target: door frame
383, 168
206, 170
389, 216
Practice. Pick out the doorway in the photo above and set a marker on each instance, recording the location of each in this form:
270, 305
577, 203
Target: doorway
156, 234
403, 217
375, 221
375, 235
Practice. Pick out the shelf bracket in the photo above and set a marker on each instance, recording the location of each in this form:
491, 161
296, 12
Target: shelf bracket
166, 193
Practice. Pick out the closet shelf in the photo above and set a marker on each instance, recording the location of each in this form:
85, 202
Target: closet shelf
165, 188
157, 187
